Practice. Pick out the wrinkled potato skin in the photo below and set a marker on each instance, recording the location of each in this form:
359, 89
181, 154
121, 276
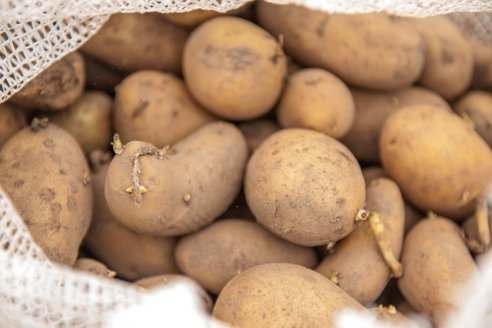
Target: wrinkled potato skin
282, 295
367, 50
216, 254
371, 111
88, 120
477, 105
11, 121
482, 72
234, 68
93, 266
318, 100
440, 163
131, 42
132, 256
56, 87
305, 187
437, 266
208, 167
363, 272
255, 132
46, 176
157, 108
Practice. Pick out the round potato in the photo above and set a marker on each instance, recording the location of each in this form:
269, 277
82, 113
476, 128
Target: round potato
255, 132
131, 42
282, 295
11, 121
234, 68
372, 51
216, 254
439, 162
44, 172
156, 107
55, 88
477, 106
171, 192
482, 68
305, 187
318, 100
93, 266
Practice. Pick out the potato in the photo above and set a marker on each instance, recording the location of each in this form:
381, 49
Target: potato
255, 132
131, 255
191, 18
167, 279
390, 315
219, 252
282, 295
101, 77
88, 120
95, 267
44, 172
234, 68
439, 162
179, 192
437, 268
371, 111
318, 100
357, 263
131, 42
373, 51
11, 121
56, 87
304, 187
448, 56
482, 67
477, 106
156, 107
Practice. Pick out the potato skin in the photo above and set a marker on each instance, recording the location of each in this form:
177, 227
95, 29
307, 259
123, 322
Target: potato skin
318, 100
207, 168
477, 105
282, 295
94, 267
56, 87
305, 187
46, 176
437, 266
372, 51
361, 269
132, 256
131, 42
482, 65
11, 121
191, 18
223, 61
217, 253
255, 132
439, 162
157, 108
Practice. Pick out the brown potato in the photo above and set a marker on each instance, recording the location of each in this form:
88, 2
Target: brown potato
44, 172
219, 252
101, 77
477, 106
56, 87
373, 51
131, 255
438, 161
234, 68
282, 295
191, 18
305, 187
357, 263
448, 56
156, 107
318, 100
482, 68
371, 111
93, 266
11, 121
437, 268
179, 192
131, 42
88, 120
255, 132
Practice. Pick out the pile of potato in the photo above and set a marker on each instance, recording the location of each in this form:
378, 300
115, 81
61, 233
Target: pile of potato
290, 163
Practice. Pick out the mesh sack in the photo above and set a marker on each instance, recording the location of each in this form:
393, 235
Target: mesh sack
37, 293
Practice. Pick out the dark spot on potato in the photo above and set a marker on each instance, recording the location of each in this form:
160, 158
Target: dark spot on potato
140, 108
275, 152
320, 29
447, 57
341, 202
71, 204
274, 59
62, 172
392, 141
174, 113
47, 194
55, 210
49, 143
236, 59
15, 165
18, 183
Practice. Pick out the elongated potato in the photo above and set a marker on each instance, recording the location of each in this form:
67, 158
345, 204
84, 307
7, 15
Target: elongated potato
44, 172
373, 51
255, 132
93, 266
179, 192
156, 107
282, 295
11, 121
216, 254
438, 161
477, 106
437, 268
357, 263
305, 187
482, 67
131, 42
318, 100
